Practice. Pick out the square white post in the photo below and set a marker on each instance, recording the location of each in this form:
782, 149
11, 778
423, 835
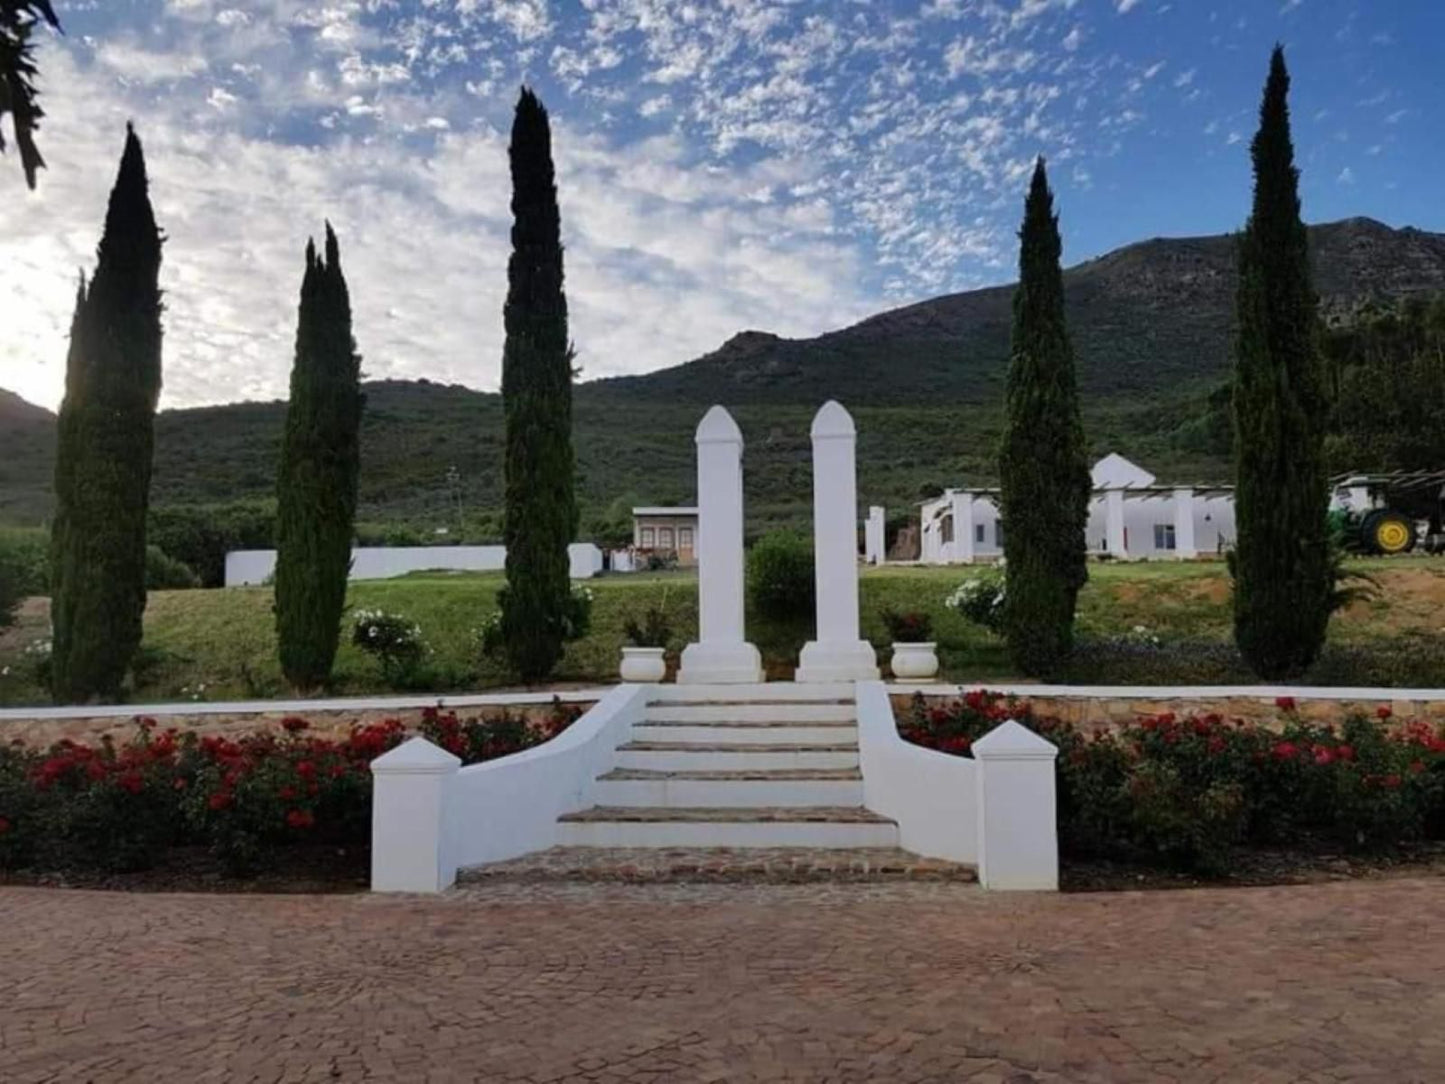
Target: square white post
874, 537
411, 787
721, 656
1184, 545
1114, 521
838, 654
1018, 838
963, 527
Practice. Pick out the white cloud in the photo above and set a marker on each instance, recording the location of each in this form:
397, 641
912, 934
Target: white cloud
1346, 176
1126, 6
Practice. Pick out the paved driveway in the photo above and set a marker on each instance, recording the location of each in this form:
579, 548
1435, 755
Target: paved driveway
906, 982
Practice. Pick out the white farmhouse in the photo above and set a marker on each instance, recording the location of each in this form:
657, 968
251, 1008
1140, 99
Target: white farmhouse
1131, 517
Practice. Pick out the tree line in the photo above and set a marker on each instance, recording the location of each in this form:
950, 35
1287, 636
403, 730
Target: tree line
1284, 566
106, 424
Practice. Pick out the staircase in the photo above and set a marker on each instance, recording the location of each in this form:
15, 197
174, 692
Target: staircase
757, 766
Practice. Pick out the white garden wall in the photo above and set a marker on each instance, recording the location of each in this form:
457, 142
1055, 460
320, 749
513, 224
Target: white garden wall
431, 818
996, 811
251, 567
931, 795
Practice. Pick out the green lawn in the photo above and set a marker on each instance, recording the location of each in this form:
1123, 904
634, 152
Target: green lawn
223, 639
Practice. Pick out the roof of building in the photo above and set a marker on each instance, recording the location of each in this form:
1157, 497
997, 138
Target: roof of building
1116, 472
660, 510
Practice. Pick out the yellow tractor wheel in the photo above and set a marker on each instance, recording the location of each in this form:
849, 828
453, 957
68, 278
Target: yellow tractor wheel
1390, 532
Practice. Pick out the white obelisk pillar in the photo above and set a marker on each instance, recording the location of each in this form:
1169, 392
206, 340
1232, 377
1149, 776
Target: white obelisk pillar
721, 656
838, 654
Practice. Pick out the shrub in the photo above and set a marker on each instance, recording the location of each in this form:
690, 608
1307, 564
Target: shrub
395, 641
653, 629
980, 599
165, 573
201, 535
25, 560
12, 589
658, 561
780, 579
119, 807
907, 626
1186, 792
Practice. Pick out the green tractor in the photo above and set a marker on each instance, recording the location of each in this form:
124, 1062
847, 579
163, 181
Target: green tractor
1389, 513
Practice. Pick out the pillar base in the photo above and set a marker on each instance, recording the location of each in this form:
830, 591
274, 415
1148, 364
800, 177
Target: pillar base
826, 661
720, 664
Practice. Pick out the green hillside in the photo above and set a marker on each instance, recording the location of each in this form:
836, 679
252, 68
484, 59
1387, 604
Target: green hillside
1151, 324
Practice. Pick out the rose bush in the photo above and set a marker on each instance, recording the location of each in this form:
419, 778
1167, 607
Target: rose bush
119, 807
1187, 791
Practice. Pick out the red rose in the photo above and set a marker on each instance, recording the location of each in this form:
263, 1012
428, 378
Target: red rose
1416, 767
219, 800
286, 793
306, 769
294, 724
1285, 703
1391, 781
1383, 711
1323, 756
1345, 752
300, 818
1285, 750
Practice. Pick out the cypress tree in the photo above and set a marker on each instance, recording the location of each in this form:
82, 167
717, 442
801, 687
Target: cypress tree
1044, 476
1283, 570
541, 508
317, 481
103, 455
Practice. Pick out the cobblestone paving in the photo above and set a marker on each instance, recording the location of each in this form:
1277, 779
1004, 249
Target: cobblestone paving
614, 984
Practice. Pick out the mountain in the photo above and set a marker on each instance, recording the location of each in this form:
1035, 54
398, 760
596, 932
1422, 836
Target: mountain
27, 458
1151, 326
1143, 317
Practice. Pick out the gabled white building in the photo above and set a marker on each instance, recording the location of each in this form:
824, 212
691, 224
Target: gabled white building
1131, 517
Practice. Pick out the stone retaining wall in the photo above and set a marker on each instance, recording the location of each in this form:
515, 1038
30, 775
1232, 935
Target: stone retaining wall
327, 723
1101, 711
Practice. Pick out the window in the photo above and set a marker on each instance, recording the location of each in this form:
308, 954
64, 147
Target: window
998, 533
664, 538
978, 532
648, 539
1163, 536
684, 538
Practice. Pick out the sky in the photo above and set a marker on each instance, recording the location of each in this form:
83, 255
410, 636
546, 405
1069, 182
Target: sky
784, 165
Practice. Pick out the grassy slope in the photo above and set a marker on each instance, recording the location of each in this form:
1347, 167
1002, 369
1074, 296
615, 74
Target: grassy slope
224, 638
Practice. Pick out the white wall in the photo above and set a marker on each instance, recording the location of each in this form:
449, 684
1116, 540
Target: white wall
509, 806
931, 795
250, 567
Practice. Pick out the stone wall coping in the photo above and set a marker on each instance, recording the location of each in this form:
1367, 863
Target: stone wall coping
1168, 692
300, 707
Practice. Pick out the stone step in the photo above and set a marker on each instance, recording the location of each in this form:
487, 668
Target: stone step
742, 712
775, 692
646, 826
748, 733
716, 865
733, 757
736, 789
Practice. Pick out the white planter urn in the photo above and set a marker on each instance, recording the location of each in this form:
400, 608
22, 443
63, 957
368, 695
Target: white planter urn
644, 665
915, 662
